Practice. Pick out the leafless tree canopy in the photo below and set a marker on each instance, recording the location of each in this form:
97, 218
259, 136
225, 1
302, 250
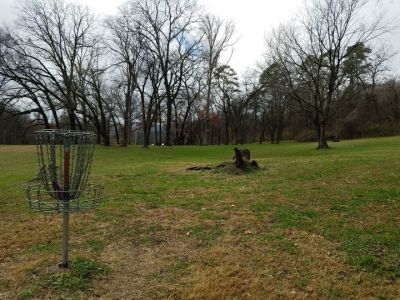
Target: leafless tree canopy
313, 50
157, 72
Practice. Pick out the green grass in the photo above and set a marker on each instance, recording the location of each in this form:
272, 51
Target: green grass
42, 247
96, 245
287, 217
168, 227
77, 278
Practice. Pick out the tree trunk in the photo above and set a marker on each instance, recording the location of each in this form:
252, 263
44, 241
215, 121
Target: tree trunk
226, 132
145, 122
155, 130
262, 134
116, 129
169, 121
239, 161
45, 119
71, 116
127, 117
321, 134
236, 133
106, 138
279, 134
53, 110
159, 126
146, 135
208, 105
272, 134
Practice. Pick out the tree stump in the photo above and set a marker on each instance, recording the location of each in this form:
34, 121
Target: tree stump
242, 159
239, 161
242, 163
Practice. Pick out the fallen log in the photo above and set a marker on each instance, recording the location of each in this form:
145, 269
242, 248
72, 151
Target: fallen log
197, 168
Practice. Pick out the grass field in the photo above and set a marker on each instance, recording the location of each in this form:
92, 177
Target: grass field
309, 224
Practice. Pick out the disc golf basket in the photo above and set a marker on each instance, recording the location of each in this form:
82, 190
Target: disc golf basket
65, 158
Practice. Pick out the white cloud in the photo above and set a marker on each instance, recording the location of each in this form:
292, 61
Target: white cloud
253, 19
7, 11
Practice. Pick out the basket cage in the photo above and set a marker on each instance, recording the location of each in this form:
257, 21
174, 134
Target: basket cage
64, 158
39, 199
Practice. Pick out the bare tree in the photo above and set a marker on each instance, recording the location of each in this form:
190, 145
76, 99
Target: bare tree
53, 35
3, 80
94, 94
167, 27
217, 39
127, 48
148, 88
313, 49
228, 87
190, 96
275, 99
23, 91
43, 53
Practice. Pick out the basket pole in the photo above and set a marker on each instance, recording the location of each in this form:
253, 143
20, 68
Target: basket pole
64, 263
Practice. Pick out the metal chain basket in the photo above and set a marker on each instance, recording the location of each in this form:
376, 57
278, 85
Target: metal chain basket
65, 159
39, 199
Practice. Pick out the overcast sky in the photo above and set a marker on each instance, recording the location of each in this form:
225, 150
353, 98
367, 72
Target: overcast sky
253, 19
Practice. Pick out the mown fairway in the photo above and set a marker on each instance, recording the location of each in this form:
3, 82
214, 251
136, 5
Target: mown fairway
310, 224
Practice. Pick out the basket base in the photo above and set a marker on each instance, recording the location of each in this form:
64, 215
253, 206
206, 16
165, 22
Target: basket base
56, 269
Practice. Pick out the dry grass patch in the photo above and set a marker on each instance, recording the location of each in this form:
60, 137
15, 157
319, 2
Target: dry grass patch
244, 269
149, 254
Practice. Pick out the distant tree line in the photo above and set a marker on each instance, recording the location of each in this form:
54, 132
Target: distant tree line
158, 69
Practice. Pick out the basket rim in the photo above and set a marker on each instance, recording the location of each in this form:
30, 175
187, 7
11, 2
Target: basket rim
63, 132
40, 187
91, 200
